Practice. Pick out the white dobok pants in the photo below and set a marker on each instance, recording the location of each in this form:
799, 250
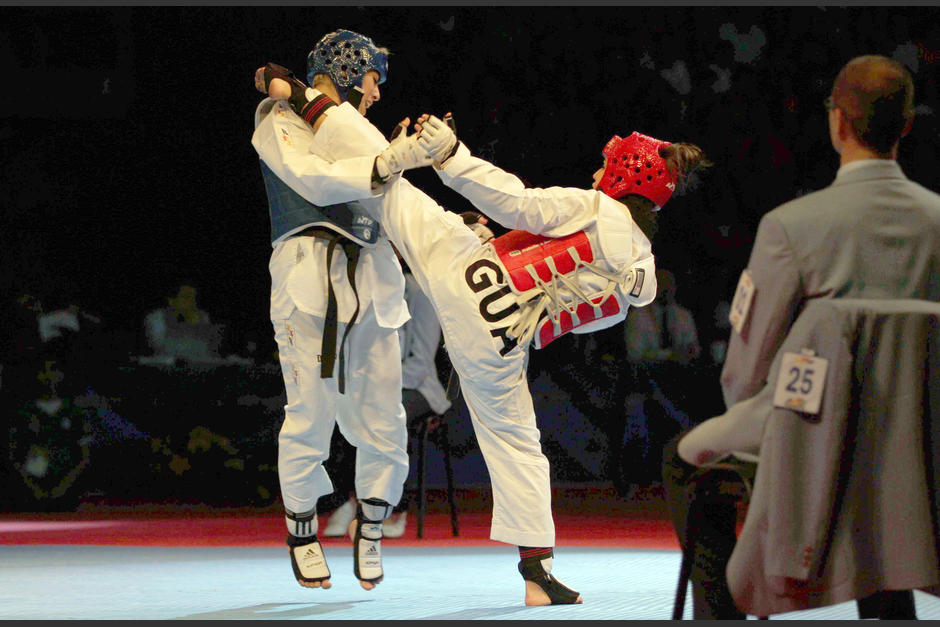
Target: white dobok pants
369, 414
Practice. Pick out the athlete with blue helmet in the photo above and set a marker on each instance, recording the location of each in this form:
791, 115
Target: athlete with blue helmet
337, 297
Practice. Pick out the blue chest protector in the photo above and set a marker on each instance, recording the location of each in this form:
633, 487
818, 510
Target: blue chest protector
353, 228
289, 211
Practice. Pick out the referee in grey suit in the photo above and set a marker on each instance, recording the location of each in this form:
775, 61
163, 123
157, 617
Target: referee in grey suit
873, 233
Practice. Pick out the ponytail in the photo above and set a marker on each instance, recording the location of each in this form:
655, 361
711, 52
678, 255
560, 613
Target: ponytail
682, 160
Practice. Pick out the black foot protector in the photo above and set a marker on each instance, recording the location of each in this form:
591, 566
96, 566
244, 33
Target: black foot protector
307, 559
532, 569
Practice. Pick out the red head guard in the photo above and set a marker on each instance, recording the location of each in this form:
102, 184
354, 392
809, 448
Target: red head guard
635, 167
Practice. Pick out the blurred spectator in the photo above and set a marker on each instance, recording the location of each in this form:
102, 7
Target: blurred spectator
56, 428
663, 331
906, 50
678, 77
48, 445
182, 331
661, 342
718, 347
54, 420
20, 331
37, 328
747, 45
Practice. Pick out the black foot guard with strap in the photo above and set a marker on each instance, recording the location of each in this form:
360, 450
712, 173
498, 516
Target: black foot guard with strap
531, 569
307, 559
367, 545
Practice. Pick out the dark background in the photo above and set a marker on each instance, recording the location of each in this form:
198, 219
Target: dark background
126, 166
125, 132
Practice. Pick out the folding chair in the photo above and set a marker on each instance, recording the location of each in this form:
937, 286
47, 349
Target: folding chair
729, 480
443, 442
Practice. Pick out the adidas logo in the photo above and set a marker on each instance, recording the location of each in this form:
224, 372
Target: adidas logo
312, 558
372, 550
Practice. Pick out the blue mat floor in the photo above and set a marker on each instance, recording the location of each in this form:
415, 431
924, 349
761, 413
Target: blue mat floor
220, 583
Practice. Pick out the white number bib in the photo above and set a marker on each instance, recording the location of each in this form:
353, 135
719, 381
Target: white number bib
801, 381
741, 305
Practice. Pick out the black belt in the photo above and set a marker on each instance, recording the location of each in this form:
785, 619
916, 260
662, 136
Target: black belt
331, 322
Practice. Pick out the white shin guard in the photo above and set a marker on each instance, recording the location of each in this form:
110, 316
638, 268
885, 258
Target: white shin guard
366, 533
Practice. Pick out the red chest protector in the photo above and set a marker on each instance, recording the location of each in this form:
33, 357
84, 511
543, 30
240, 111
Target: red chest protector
531, 260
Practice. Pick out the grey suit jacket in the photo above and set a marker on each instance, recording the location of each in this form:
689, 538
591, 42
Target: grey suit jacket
873, 233
847, 502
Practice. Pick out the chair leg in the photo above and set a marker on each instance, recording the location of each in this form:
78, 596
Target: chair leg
888, 605
682, 588
685, 573
422, 471
451, 500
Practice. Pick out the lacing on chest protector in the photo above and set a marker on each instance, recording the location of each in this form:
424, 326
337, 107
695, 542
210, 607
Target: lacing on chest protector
551, 301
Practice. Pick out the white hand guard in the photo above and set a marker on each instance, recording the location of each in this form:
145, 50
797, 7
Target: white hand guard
438, 139
403, 153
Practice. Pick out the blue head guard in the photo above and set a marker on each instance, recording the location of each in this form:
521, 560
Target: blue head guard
346, 57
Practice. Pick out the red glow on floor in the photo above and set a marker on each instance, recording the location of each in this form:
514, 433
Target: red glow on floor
598, 520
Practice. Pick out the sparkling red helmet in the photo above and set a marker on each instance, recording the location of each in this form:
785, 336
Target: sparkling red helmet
635, 167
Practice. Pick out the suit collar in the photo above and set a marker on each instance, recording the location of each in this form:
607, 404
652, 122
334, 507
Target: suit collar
869, 170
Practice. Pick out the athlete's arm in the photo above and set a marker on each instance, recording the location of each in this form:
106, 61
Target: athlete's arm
738, 430
283, 143
280, 83
403, 153
553, 211
777, 299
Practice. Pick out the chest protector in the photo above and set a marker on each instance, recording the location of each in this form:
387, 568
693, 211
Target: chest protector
353, 227
543, 272
290, 211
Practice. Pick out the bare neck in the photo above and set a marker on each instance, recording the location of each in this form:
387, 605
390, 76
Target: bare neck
328, 89
852, 150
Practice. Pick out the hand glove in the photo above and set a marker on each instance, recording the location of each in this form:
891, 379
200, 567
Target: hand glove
477, 221
439, 138
403, 153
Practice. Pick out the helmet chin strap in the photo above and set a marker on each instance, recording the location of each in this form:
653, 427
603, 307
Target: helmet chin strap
354, 96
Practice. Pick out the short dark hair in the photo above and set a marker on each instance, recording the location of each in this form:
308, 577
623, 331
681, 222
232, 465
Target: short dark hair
876, 94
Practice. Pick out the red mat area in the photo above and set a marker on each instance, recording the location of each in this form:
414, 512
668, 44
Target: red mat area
582, 518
